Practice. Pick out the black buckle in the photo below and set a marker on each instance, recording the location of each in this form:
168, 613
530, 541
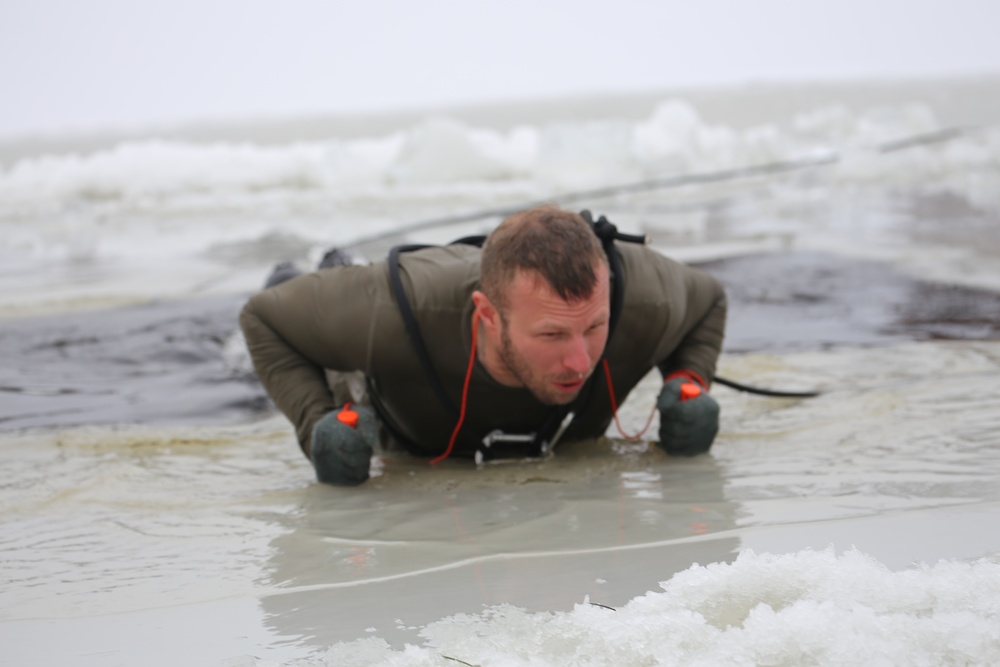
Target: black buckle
516, 446
500, 445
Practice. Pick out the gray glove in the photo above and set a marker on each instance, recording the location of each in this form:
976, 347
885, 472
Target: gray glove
341, 448
689, 417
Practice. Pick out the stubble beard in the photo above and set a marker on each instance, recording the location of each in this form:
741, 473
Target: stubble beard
522, 370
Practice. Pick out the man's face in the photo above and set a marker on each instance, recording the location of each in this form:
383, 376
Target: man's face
550, 345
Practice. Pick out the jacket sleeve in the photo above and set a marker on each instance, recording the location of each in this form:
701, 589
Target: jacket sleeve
299, 328
702, 315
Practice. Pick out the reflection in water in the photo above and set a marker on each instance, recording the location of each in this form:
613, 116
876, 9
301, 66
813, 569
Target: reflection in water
901, 434
418, 544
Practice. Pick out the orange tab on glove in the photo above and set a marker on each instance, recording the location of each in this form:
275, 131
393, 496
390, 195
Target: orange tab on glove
348, 416
691, 389
689, 416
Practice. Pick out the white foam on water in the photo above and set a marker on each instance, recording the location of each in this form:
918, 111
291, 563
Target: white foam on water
673, 140
809, 607
212, 217
445, 156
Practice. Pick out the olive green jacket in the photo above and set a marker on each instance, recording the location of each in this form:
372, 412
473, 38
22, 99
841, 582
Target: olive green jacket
346, 319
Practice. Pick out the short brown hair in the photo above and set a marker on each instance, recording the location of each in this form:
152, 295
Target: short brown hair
559, 245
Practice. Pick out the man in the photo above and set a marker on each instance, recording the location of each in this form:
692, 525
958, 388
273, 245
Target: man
518, 340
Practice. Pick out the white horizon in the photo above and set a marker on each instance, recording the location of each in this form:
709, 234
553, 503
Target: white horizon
70, 67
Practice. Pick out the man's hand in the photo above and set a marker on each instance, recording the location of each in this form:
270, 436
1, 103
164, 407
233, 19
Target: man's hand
689, 417
341, 448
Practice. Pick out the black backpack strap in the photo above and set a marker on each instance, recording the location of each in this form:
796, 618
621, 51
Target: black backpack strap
413, 328
410, 320
475, 240
608, 233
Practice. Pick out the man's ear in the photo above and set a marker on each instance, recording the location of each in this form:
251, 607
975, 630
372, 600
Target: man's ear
488, 313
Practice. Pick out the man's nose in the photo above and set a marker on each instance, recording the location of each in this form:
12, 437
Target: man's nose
576, 357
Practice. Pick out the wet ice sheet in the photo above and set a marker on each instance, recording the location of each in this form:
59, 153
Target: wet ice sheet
193, 544
105, 530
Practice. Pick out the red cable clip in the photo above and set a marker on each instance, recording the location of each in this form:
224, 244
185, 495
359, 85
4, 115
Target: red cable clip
689, 390
692, 388
348, 416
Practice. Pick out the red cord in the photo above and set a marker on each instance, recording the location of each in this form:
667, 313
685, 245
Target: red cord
614, 408
465, 392
607, 376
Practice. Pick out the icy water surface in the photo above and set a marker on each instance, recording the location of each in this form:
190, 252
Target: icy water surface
156, 511
111, 532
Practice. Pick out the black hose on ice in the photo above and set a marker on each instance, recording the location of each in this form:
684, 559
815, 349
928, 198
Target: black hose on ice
766, 392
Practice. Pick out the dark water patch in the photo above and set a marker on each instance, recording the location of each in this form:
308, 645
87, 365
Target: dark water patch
946, 219
950, 312
159, 363
809, 300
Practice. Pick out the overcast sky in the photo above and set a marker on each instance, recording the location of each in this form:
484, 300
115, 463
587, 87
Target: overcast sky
91, 64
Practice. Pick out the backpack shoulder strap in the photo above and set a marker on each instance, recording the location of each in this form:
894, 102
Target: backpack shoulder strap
412, 327
608, 234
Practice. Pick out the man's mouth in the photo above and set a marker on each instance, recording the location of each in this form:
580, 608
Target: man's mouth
570, 385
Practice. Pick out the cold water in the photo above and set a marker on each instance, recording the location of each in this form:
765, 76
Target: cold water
157, 511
